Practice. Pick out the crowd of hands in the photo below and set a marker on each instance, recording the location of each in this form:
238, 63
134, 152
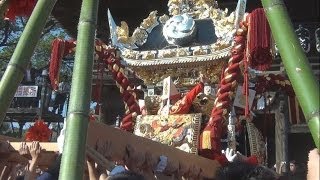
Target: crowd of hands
14, 170
95, 170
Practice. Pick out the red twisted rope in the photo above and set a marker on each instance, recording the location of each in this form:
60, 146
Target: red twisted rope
108, 55
127, 90
210, 146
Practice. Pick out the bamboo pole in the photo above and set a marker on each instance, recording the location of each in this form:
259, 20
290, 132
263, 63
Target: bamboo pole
296, 63
73, 156
22, 54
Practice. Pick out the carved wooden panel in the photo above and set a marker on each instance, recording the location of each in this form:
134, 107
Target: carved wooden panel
180, 131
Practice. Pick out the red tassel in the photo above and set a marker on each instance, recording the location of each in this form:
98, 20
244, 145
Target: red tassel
259, 41
38, 132
55, 62
60, 48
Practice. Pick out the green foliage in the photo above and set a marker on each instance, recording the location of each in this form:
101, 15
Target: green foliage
9, 36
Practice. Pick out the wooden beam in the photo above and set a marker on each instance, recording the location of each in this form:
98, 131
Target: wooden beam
120, 139
47, 156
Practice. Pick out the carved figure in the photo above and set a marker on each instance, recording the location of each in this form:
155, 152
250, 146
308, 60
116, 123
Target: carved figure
304, 38
123, 33
150, 21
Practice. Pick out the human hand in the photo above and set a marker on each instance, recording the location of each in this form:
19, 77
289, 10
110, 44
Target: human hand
24, 149
35, 150
93, 174
230, 154
313, 165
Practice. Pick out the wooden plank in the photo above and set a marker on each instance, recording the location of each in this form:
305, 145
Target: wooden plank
47, 146
47, 156
120, 139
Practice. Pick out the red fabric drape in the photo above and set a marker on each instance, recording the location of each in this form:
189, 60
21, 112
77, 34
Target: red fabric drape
259, 41
55, 61
60, 48
19, 8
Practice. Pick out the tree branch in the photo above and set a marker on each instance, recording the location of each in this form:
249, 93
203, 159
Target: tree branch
7, 32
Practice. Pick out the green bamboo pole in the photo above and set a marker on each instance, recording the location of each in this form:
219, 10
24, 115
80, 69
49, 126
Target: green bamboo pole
3, 7
22, 54
296, 63
73, 156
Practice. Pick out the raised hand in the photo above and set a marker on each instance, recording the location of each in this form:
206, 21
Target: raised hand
230, 154
24, 149
35, 150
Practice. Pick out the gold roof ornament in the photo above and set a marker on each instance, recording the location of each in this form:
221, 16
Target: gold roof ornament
195, 35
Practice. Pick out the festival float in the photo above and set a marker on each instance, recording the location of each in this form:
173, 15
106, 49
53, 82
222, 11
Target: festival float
230, 49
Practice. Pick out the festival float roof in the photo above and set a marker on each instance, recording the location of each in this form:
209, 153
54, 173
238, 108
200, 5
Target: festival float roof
133, 12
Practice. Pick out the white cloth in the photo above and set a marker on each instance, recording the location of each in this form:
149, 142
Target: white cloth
60, 139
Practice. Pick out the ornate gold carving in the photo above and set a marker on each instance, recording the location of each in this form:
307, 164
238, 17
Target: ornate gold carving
203, 104
148, 55
140, 36
150, 21
130, 54
152, 104
123, 33
174, 7
182, 52
224, 24
181, 76
199, 51
167, 53
163, 19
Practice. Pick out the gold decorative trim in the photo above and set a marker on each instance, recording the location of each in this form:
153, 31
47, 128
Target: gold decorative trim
170, 56
257, 145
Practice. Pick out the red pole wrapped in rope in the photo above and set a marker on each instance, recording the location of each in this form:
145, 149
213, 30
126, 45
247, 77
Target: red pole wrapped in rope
210, 146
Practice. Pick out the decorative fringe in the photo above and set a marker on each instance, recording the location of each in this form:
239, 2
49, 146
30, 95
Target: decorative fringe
259, 41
